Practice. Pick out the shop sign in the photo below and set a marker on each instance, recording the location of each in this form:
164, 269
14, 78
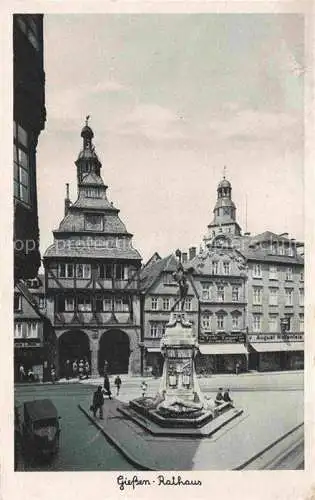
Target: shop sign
26, 344
179, 353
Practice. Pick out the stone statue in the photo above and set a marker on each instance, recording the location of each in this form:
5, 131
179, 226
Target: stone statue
180, 276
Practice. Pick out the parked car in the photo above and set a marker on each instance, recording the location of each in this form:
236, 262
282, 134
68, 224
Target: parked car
41, 429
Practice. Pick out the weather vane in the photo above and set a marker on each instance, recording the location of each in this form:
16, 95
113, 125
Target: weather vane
87, 120
224, 171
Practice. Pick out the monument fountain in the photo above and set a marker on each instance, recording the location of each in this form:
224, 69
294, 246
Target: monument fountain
179, 402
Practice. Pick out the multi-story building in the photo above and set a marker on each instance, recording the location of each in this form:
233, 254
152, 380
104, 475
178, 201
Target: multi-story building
34, 339
271, 293
275, 309
159, 293
92, 277
29, 118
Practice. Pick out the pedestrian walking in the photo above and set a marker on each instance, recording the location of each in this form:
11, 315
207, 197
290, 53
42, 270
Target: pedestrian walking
117, 383
98, 402
144, 387
75, 368
237, 368
30, 375
107, 386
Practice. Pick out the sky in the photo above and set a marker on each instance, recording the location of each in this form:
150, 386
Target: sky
173, 98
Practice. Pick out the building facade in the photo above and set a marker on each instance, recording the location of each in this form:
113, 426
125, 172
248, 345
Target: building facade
159, 292
92, 277
29, 116
271, 291
34, 338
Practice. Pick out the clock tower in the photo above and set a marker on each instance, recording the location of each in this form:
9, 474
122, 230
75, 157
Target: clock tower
224, 220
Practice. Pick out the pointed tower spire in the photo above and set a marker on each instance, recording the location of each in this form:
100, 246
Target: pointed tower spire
87, 161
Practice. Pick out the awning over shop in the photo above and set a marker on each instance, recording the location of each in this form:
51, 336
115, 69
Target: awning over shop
278, 346
223, 349
153, 349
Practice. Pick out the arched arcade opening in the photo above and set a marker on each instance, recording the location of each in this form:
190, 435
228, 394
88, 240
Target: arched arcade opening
114, 348
73, 345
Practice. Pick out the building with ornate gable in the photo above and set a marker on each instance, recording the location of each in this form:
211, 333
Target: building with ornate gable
255, 287
91, 274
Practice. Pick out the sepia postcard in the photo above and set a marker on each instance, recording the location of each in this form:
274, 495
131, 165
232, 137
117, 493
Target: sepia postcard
156, 289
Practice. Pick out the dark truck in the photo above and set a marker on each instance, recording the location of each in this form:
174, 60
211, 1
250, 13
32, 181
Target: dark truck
41, 429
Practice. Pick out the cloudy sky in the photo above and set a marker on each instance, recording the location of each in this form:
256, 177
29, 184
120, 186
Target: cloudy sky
173, 98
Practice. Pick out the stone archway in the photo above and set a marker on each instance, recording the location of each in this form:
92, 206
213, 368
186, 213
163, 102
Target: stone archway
114, 347
73, 345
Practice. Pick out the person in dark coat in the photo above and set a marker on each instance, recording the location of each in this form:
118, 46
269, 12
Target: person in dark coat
98, 402
219, 397
117, 383
107, 386
226, 396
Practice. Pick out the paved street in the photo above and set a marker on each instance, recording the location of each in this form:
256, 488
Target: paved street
82, 446
272, 403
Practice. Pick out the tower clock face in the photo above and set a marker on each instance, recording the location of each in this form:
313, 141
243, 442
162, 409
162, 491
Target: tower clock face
226, 211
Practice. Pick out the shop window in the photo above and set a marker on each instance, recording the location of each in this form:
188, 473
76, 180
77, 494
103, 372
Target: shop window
21, 164
18, 330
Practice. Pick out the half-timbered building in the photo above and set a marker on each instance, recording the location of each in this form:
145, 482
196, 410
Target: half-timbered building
91, 273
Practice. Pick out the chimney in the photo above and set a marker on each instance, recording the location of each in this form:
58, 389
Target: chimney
67, 200
184, 257
192, 253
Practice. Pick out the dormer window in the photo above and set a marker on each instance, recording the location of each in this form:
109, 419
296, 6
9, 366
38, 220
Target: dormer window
93, 222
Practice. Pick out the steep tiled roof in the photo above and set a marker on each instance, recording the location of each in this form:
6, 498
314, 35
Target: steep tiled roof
92, 178
94, 204
252, 249
149, 274
91, 252
74, 222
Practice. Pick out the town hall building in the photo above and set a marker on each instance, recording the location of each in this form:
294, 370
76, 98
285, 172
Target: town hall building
91, 277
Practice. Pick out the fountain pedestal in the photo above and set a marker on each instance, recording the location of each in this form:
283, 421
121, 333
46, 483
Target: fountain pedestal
179, 347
